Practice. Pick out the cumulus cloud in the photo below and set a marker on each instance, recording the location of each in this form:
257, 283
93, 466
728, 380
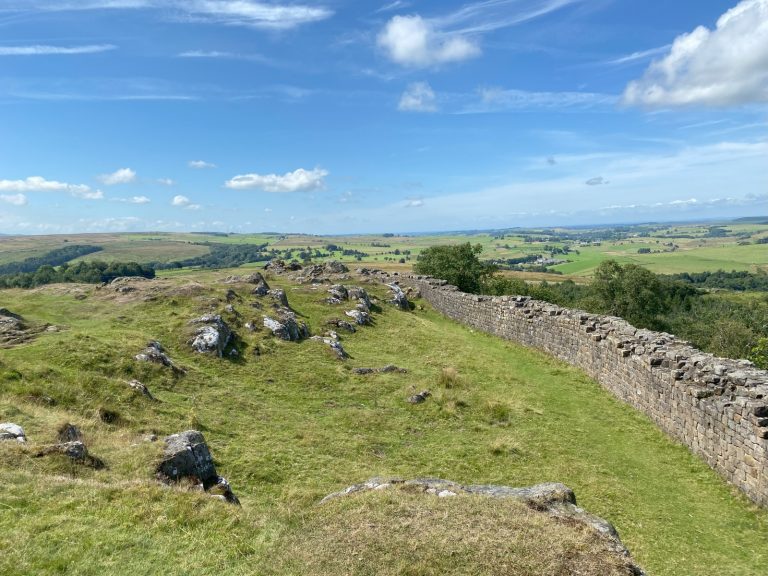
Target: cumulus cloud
44, 50
135, 200
121, 176
40, 184
598, 181
414, 203
183, 202
166, 181
200, 164
418, 97
413, 41
15, 199
721, 67
300, 180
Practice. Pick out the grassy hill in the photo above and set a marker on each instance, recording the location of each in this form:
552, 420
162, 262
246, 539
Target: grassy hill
294, 423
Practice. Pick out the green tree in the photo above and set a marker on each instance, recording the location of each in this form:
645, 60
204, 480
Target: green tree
631, 292
460, 265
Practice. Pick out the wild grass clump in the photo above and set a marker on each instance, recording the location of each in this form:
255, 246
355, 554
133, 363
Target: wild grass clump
448, 378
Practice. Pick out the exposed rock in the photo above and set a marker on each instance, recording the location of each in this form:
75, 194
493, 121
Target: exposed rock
399, 298
286, 326
359, 294
231, 295
280, 266
69, 433
76, 451
279, 295
154, 352
186, 456
10, 431
361, 317
338, 294
342, 324
553, 499
13, 329
335, 346
420, 397
213, 336
389, 368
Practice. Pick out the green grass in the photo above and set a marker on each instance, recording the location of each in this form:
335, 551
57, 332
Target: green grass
293, 424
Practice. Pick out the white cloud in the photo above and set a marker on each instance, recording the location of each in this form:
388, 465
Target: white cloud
15, 199
414, 203
300, 180
44, 50
216, 54
249, 13
418, 97
121, 176
413, 41
200, 164
597, 181
40, 184
138, 200
417, 42
396, 5
166, 181
183, 202
640, 55
721, 67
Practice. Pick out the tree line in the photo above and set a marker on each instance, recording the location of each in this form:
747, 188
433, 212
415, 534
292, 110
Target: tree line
53, 258
84, 272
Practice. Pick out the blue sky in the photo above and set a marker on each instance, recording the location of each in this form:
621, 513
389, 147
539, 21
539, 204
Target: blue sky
344, 116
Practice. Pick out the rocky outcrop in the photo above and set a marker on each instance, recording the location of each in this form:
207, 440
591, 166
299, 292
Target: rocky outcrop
334, 345
280, 266
554, 499
286, 326
342, 325
338, 293
359, 294
14, 330
154, 352
361, 317
279, 296
140, 389
419, 398
10, 431
212, 336
399, 298
72, 445
186, 457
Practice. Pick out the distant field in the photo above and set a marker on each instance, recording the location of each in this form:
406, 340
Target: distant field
672, 249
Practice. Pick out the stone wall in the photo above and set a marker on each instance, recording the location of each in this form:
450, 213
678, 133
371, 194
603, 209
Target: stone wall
717, 407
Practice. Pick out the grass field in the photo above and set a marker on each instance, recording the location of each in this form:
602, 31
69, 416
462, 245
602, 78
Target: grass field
293, 424
674, 248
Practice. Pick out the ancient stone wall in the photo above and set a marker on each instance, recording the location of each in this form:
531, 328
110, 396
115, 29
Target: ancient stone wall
717, 407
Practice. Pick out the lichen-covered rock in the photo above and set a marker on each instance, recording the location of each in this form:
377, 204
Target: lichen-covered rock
286, 326
69, 433
338, 293
13, 329
554, 499
280, 296
342, 324
359, 294
389, 368
420, 397
10, 431
399, 298
140, 388
186, 456
154, 352
334, 345
361, 316
212, 336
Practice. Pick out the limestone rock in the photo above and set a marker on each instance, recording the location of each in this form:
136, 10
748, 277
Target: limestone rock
554, 499
338, 293
280, 296
359, 294
342, 324
154, 352
420, 398
140, 388
399, 298
389, 368
212, 336
10, 431
335, 346
186, 456
69, 433
286, 326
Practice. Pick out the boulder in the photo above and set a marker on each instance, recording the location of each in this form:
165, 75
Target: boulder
154, 352
186, 457
338, 293
286, 326
361, 317
69, 433
279, 295
359, 294
342, 324
10, 431
389, 368
13, 329
399, 298
420, 397
335, 346
140, 388
212, 336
